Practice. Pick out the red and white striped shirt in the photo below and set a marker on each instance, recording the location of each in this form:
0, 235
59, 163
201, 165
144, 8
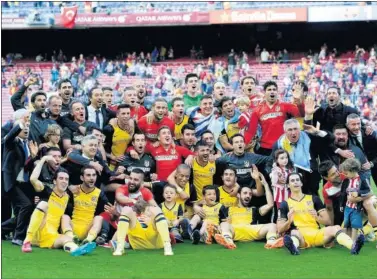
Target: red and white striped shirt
353, 186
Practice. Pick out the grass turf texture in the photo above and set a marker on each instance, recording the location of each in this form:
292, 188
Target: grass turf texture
249, 260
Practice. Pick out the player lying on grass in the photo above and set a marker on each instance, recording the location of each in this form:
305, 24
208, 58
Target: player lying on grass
209, 214
174, 213
241, 224
46, 218
299, 217
88, 203
146, 228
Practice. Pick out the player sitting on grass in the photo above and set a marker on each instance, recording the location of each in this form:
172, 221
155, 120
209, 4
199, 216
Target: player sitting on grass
173, 212
149, 231
241, 224
299, 217
356, 188
46, 218
209, 213
89, 202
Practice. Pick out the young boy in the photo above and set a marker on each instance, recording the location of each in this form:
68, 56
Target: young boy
173, 212
210, 213
355, 188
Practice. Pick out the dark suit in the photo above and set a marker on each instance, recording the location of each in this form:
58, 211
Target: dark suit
20, 193
107, 114
369, 147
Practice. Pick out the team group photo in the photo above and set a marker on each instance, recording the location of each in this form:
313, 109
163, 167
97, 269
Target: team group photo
189, 139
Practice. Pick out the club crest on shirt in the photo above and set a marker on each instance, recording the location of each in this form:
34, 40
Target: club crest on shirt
172, 151
247, 164
277, 108
212, 170
309, 203
146, 164
94, 199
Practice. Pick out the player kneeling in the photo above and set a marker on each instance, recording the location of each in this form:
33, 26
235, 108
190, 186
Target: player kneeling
46, 218
241, 224
89, 202
208, 213
174, 213
150, 231
299, 217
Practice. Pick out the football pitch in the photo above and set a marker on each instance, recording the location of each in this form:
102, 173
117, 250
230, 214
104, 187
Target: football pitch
249, 260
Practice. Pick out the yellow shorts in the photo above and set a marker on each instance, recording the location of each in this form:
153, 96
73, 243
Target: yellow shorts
45, 237
80, 230
246, 232
144, 238
313, 237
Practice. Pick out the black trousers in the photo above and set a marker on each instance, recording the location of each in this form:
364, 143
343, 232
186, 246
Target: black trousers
311, 182
374, 173
21, 195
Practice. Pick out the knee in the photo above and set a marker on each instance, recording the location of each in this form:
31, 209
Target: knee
43, 206
295, 233
154, 210
368, 204
272, 227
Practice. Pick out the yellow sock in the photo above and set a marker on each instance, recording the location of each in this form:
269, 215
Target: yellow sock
91, 235
271, 237
35, 223
375, 230
296, 241
123, 225
162, 227
344, 240
70, 246
68, 232
367, 229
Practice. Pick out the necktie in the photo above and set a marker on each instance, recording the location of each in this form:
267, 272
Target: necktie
97, 118
26, 153
294, 144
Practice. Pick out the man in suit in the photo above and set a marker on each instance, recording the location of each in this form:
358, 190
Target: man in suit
18, 161
365, 139
96, 111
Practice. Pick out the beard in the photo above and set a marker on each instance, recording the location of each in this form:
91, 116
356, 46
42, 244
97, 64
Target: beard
134, 188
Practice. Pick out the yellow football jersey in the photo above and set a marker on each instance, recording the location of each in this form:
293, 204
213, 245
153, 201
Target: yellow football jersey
172, 213
302, 217
232, 129
121, 140
202, 176
226, 199
178, 127
242, 215
179, 200
86, 205
215, 213
56, 209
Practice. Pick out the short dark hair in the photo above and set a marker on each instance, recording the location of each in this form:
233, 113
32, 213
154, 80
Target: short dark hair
90, 94
169, 186
63, 81
75, 102
162, 128
190, 75
137, 132
122, 106
223, 100
200, 144
211, 187
324, 167
247, 77
230, 168
207, 132
36, 94
338, 127
243, 186
295, 173
89, 130
302, 85
176, 99
269, 83
53, 148
83, 169
333, 87
138, 171
107, 88
234, 136
187, 127
206, 97
59, 170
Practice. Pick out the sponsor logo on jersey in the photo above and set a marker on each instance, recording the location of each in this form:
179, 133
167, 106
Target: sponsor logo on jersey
271, 115
166, 157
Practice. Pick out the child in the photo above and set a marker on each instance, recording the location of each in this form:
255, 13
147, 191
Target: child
173, 212
52, 136
355, 188
281, 168
215, 213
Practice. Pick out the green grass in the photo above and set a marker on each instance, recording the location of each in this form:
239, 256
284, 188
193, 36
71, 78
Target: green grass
249, 260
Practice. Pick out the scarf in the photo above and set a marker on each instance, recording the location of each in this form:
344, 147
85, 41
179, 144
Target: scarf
299, 154
201, 122
222, 124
